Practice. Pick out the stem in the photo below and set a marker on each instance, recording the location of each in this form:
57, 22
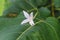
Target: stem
33, 7
52, 5
36, 14
27, 30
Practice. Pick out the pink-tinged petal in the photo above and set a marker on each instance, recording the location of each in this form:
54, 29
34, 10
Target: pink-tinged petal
24, 21
26, 14
31, 23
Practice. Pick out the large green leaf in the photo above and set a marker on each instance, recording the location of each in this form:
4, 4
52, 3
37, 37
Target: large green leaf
10, 29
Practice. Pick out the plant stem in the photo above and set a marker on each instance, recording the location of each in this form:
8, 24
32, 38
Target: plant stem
28, 30
52, 7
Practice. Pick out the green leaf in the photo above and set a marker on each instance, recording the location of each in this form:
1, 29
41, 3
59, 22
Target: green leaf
41, 31
43, 12
56, 3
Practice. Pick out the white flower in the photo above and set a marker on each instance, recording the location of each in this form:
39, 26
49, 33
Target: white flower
29, 18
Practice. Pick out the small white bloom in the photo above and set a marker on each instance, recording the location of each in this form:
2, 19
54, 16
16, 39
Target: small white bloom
29, 18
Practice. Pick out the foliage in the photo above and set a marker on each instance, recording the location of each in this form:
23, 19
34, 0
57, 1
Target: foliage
46, 18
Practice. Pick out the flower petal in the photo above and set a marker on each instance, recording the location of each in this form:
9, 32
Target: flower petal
26, 14
24, 21
31, 15
31, 23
